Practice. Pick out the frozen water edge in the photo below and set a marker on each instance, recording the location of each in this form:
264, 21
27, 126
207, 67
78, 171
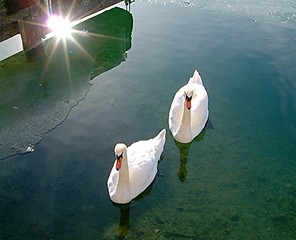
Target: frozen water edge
24, 137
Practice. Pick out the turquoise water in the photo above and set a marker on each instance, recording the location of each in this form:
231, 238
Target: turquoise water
236, 181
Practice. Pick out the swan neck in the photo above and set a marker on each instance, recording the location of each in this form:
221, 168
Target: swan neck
186, 118
124, 171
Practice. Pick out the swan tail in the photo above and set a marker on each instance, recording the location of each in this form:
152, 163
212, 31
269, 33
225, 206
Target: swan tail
161, 135
160, 138
196, 78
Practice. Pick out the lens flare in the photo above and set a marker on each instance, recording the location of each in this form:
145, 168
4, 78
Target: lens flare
60, 27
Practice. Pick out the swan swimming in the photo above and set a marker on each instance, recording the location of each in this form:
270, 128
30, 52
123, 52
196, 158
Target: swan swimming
135, 168
189, 112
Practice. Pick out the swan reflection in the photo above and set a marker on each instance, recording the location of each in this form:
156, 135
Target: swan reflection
184, 154
124, 220
123, 227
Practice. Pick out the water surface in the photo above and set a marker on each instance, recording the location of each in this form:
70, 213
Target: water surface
37, 96
235, 181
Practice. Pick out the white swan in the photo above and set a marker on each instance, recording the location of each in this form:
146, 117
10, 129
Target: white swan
189, 110
135, 168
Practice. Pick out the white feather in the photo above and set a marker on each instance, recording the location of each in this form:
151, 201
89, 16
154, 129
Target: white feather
138, 170
186, 125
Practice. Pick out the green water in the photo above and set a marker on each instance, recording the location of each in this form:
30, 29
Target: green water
37, 96
236, 181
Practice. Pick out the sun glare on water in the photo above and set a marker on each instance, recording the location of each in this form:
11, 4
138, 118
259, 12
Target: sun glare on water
60, 26
61, 30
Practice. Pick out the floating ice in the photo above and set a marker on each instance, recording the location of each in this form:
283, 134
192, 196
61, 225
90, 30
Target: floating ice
29, 150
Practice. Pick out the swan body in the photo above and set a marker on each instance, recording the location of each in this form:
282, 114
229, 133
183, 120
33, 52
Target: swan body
189, 112
135, 168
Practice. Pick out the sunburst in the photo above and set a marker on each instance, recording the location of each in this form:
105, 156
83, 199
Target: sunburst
61, 27
61, 31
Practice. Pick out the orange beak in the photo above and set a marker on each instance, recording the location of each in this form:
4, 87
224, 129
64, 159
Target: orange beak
118, 162
188, 103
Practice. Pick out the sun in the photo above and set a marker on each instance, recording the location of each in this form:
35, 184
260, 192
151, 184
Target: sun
62, 31
61, 27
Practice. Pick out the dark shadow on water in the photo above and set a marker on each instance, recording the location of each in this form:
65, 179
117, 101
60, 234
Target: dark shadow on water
36, 97
123, 227
184, 154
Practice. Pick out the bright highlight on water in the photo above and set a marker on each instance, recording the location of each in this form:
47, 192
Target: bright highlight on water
61, 27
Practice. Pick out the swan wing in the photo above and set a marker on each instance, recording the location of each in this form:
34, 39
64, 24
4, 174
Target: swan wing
143, 158
176, 111
199, 111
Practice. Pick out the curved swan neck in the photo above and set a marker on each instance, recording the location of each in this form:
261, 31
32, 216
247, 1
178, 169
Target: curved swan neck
186, 118
184, 134
124, 171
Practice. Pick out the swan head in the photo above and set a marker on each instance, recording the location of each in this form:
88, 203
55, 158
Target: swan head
120, 151
188, 94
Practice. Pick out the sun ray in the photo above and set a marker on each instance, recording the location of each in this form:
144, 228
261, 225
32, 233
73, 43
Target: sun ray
81, 48
50, 57
98, 35
61, 30
67, 60
69, 14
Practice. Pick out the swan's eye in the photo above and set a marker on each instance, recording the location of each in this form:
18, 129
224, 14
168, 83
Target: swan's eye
188, 98
119, 156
